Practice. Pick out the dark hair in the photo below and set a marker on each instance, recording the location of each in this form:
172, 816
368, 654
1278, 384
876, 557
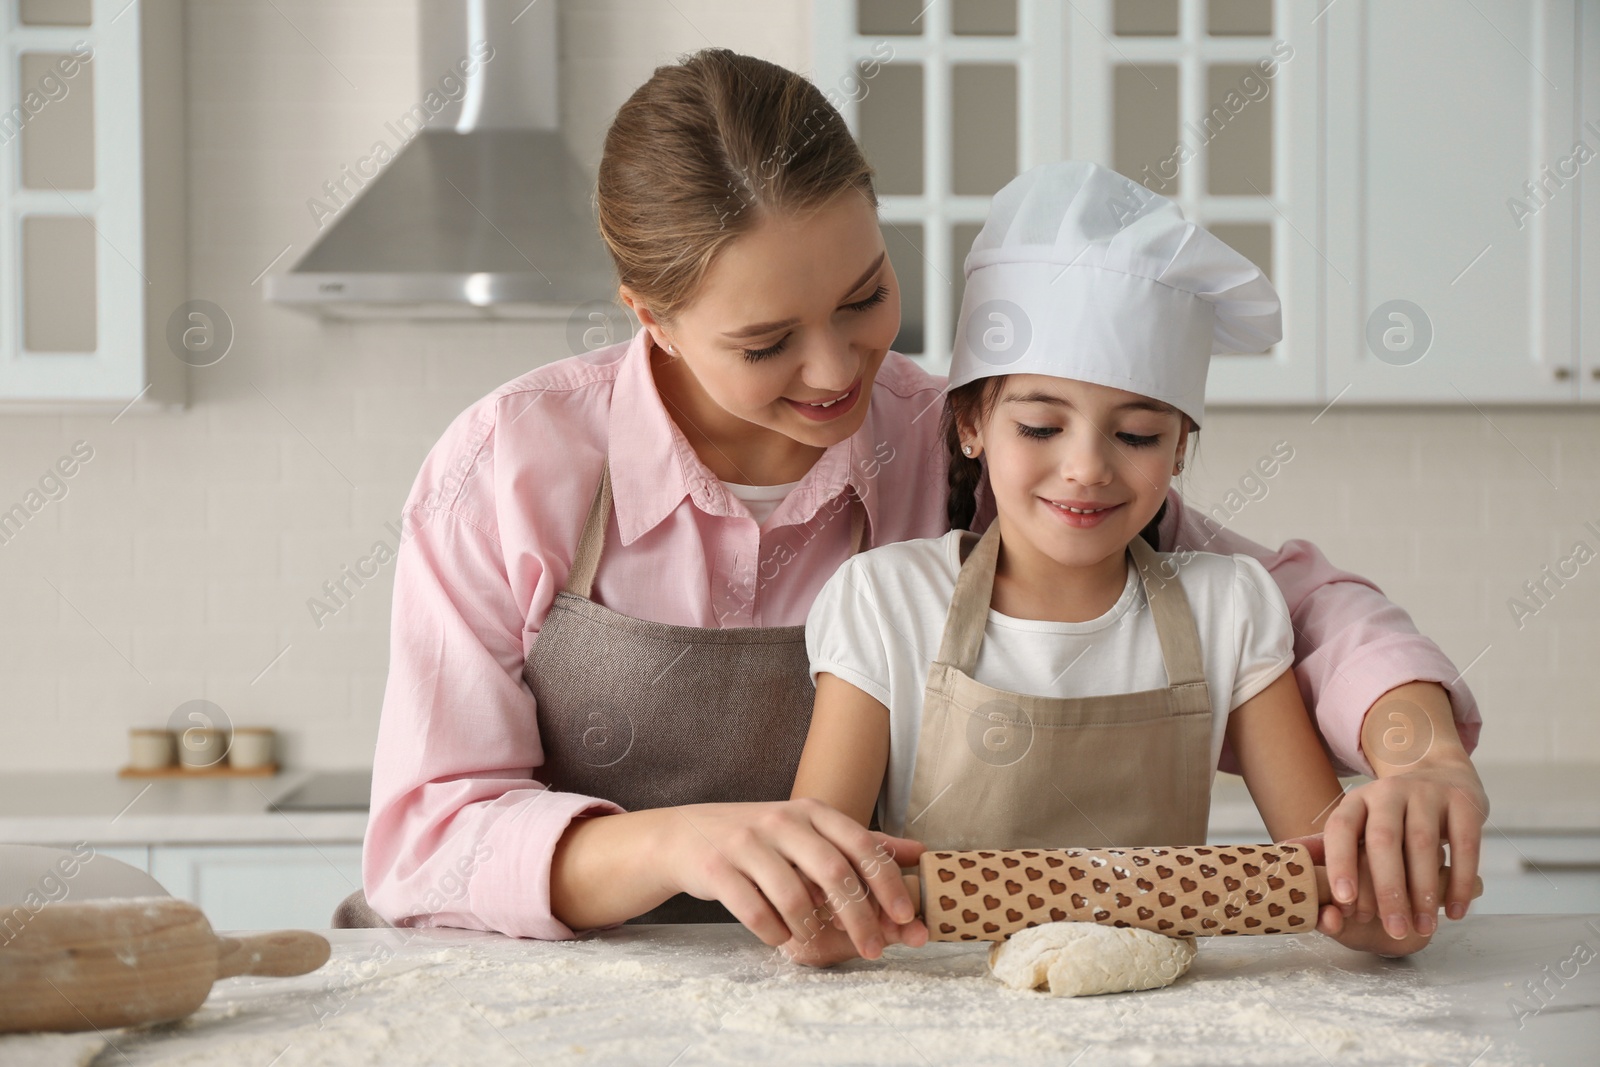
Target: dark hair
700, 152
970, 404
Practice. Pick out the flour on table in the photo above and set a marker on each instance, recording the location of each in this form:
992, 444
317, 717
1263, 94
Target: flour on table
50, 1050
715, 995
1080, 959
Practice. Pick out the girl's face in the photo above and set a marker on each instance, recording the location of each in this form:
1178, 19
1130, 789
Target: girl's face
797, 313
1058, 442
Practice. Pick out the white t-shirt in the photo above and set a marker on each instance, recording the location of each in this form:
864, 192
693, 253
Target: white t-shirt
878, 621
760, 500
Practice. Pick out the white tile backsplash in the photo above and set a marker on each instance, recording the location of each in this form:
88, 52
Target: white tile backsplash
191, 542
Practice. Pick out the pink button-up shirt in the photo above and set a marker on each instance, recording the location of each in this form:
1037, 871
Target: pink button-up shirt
461, 832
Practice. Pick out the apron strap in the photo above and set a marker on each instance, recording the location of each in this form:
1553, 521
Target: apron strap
586, 560
580, 580
969, 607
1169, 607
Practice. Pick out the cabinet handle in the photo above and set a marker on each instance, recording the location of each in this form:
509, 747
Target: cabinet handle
1594, 372
1563, 866
1563, 373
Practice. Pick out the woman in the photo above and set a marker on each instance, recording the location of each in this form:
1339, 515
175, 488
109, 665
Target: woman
598, 686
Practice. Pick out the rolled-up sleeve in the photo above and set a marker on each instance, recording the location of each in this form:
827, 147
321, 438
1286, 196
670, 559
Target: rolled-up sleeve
1352, 644
461, 833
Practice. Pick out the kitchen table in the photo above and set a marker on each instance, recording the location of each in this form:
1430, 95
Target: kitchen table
1491, 989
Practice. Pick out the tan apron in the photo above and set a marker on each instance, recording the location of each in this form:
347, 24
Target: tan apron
996, 769
652, 715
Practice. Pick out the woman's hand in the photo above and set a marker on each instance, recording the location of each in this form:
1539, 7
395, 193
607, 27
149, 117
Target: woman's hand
798, 873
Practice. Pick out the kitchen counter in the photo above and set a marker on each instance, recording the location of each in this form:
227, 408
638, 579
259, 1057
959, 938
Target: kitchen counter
61, 807
714, 994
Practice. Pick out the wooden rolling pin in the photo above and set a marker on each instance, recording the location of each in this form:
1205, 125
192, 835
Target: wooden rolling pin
106, 963
1180, 891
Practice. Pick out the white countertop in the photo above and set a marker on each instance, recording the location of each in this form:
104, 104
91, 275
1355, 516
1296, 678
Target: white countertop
62, 807
714, 994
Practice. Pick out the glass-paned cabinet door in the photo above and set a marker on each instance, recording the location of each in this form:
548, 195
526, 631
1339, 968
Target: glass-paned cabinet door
76, 285
1213, 103
1210, 102
949, 100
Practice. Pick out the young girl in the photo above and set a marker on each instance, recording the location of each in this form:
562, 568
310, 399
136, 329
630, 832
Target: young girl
1057, 681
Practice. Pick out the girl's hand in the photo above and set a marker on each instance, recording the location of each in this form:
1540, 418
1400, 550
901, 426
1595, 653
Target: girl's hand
832, 945
1362, 930
792, 871
1400, 821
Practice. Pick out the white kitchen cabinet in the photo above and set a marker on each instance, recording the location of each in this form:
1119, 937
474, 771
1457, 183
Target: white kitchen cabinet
950, 101
1452, 207
1215, 107
1589, 245
261, 887
1539, 873
224, 844
1378, 174
92, 235
1548, 864
133, 855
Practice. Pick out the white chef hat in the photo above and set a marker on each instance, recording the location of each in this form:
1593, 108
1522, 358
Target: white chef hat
1082, 273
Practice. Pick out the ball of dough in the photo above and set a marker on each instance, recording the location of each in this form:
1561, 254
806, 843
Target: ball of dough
1080, 959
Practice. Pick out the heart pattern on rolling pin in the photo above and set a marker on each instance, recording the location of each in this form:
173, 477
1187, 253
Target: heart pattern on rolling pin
1180, 891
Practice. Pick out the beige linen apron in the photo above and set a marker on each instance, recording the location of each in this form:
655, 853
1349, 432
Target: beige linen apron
996, 769
651, 715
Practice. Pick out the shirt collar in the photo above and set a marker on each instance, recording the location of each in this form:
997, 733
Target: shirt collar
653, 466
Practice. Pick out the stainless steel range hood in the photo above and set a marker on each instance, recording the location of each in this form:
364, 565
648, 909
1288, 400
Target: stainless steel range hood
477, 209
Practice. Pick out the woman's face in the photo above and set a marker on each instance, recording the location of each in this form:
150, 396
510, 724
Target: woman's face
1054, 442
794, 314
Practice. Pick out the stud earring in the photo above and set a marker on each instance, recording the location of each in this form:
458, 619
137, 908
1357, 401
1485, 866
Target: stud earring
1180, 466
966, 450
